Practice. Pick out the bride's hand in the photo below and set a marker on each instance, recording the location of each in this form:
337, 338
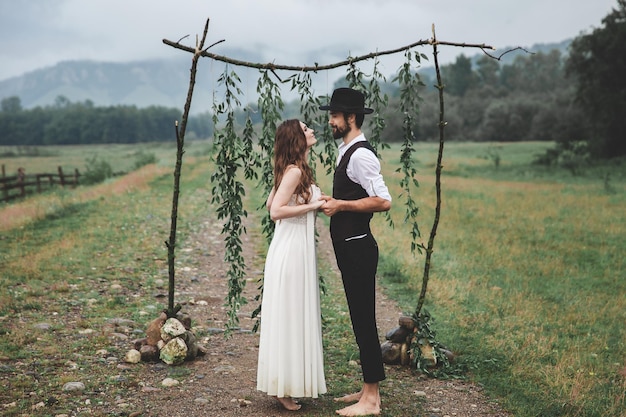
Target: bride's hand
317, 204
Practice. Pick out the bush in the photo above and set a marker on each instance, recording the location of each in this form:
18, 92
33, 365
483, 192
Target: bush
142, 158
96, 171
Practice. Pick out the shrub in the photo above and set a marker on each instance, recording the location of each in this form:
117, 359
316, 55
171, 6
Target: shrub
142, 158
96, 171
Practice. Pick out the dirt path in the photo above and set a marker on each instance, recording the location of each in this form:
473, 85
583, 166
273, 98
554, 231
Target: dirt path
223, 383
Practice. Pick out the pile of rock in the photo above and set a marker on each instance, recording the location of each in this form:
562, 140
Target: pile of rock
170, 340
397, 348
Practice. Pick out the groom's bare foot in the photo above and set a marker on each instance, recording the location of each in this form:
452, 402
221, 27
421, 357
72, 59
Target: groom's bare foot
288, 403
350, 398
368, 402
362, 408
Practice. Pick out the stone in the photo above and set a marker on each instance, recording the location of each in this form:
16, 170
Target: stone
73, 386
185, 320
172, 328
202, 350
132, 356
428, 353
398, 335
407, 322
118, 321
169, 382
149, 353
449, 354
405, 359
192, 345
138, 343
174, 352
391, 352
153, 333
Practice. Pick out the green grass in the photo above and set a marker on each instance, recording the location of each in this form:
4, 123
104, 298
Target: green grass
527, 285
121, 157
528, 277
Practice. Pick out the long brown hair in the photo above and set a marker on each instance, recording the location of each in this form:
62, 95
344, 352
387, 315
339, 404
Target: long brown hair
290, 149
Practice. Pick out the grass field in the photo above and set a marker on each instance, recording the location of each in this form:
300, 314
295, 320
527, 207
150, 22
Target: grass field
528, 284
529, 280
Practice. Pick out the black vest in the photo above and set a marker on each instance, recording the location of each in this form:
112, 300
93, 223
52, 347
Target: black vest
345, 224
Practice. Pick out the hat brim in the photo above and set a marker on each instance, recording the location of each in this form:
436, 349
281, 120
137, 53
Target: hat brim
364, 110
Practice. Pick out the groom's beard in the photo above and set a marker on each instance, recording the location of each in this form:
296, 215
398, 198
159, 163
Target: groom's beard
339, 133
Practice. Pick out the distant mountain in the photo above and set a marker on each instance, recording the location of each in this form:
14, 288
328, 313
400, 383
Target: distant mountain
161, 82
141, 83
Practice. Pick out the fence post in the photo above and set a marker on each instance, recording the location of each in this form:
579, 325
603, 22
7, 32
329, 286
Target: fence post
38, 183
5, 190
61, 177
76, 175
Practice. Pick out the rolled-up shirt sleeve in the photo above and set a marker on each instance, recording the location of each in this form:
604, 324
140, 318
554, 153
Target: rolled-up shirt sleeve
364, 169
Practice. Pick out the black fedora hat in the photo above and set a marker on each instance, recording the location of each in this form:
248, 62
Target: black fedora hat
347, 100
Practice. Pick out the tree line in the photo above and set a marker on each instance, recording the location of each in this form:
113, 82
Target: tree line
68, 123
569, 98
576, 99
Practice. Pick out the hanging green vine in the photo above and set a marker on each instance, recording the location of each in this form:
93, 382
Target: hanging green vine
270, 106
410, 84
378, 101
252, 159
227, 190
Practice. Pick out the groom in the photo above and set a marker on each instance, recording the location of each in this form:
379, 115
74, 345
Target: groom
358, 191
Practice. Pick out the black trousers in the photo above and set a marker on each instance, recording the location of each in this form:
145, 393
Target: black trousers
357, 260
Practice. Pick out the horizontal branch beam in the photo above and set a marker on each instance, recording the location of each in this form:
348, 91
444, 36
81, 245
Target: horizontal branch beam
317, 67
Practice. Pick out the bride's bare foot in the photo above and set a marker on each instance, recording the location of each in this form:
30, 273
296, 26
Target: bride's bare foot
288, 403
350, 398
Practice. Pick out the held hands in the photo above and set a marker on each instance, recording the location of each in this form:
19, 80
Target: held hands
329, 206
316, 204
316, 201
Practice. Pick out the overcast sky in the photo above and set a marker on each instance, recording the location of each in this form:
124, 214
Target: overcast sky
40, 33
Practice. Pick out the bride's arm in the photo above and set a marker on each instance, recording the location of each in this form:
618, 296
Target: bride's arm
279, 206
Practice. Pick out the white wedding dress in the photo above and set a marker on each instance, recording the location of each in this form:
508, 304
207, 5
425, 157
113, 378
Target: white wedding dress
290, 348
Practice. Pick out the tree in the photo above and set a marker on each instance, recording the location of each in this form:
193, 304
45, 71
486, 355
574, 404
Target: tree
11, 105
459, 75
597, 62
488, 71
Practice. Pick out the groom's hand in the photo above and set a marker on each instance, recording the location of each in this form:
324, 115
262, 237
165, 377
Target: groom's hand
330, 205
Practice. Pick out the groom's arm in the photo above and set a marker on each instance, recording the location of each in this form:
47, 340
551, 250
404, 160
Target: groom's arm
363, 205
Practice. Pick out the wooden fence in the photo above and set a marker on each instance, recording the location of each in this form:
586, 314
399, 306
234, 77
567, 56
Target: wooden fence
22, 184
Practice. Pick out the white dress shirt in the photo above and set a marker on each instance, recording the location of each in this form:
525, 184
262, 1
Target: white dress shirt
364, 169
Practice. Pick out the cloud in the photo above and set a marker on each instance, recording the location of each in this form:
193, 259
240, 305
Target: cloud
38, 33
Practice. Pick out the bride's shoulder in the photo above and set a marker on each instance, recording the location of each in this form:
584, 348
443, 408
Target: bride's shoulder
293, 170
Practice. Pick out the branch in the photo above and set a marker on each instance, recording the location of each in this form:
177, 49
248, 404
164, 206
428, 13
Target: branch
180, 142
433, 231
317, 67
499, 57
